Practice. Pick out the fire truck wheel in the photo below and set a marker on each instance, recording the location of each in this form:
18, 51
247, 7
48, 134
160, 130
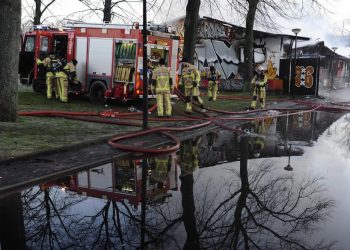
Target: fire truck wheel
38, 86
97, 92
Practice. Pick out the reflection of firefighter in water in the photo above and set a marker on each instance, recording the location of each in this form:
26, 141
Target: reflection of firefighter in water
188, 156
257, 143
161, 168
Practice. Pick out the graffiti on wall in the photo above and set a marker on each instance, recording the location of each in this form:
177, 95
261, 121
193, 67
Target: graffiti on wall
214, 30
222, 55
221, 45
231, 84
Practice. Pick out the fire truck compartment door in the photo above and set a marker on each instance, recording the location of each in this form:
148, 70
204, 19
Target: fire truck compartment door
100, 56
81, 46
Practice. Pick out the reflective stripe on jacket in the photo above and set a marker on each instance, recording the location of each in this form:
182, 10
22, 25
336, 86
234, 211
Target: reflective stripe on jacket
162, 76
189, 75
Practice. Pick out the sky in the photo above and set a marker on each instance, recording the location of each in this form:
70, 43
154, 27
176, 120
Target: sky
316, 25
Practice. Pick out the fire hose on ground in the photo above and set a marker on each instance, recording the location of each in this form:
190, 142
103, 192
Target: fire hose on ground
205, 120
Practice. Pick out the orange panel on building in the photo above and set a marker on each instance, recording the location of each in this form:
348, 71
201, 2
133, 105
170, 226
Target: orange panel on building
276, 84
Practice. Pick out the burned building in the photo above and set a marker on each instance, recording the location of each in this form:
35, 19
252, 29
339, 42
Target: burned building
222, 44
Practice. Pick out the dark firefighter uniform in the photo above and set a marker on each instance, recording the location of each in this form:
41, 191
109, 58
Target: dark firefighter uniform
190, 78
51, 84
188, 156
213, 78
68, 72
259, 83
162, 81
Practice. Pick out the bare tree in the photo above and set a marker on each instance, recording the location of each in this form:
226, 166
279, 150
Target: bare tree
191, 24
264, 13
120, 9
39, 11
10, 19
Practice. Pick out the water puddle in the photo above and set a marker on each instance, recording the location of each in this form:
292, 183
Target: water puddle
205, 196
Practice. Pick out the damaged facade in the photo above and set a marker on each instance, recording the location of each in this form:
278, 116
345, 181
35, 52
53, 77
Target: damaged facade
334, 69
222, 44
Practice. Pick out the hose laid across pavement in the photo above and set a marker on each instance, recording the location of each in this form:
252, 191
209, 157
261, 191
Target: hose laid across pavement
206, 121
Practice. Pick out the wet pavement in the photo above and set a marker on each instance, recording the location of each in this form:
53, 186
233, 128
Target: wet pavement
205, 196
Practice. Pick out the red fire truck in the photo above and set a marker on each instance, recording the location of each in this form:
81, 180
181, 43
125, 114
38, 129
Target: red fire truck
109, 57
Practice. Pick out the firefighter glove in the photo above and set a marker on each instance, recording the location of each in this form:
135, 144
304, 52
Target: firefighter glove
194, 84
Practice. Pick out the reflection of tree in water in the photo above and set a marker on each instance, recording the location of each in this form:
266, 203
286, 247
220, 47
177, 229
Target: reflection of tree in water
268, 211
55, 221
48, 220
257, 208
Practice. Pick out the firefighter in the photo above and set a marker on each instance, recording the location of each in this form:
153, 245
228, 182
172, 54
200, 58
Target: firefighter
190, 78
214, 79
259, 82
188, 155
66, 73
48, 63
162, 165
163, 84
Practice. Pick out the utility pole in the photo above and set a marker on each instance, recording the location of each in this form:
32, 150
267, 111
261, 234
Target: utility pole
145, 69
145, 125
295, 31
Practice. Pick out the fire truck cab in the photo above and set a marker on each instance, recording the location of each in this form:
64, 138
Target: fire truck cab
109, 57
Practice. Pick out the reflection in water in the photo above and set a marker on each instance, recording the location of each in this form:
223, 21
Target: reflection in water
12, 232
188, 159
266, 210
254, 205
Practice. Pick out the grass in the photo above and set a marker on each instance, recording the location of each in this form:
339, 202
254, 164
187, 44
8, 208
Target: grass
34, 134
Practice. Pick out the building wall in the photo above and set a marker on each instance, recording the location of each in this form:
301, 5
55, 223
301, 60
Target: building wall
219, 44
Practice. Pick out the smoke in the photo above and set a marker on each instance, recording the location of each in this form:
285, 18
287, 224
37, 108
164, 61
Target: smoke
330, 26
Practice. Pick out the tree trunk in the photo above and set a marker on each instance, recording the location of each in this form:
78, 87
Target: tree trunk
188, 206
107, 11
242, 200
191, 29
10, 19
249, 43
38, 13
12, 232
